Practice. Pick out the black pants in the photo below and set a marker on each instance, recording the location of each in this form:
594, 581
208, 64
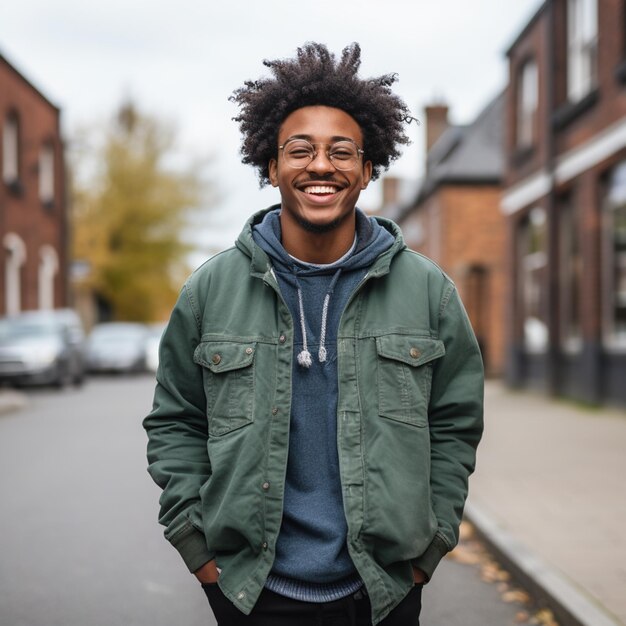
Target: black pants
272, 609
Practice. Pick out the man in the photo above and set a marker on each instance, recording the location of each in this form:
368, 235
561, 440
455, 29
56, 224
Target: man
319, 393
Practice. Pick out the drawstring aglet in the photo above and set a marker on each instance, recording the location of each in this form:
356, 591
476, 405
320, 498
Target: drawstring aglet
304, 358
321, 355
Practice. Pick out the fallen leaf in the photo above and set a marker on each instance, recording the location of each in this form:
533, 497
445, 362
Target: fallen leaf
545, 617
516, 595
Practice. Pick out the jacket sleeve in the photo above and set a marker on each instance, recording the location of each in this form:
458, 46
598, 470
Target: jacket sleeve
456, 424
177, 431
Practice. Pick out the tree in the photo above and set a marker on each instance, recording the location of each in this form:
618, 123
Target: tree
129, 216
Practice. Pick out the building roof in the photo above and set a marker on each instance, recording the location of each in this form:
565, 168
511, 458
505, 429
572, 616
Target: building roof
469, 154
529, 24
11, 66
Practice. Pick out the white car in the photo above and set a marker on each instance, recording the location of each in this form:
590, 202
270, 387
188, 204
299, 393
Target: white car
117, 347
152, 345
42, 347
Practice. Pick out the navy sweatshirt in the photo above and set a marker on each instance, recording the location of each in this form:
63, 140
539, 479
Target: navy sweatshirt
312, 561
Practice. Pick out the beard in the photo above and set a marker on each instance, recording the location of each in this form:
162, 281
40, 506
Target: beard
320, 228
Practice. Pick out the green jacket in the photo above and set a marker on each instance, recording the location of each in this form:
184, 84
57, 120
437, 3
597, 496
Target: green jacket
409, 419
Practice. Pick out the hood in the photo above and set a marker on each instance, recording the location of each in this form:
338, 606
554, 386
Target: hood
371, 241
260, 262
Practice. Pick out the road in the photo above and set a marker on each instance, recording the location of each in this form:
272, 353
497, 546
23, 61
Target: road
79, 541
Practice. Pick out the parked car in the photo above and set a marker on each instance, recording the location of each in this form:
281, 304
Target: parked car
117, 347
155, 332
42, 347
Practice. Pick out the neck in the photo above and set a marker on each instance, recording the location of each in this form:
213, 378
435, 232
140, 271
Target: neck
320, 248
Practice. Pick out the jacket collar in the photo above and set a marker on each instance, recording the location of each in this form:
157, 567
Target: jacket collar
260, 263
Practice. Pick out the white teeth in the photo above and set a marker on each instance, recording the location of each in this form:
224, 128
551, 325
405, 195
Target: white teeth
319, 189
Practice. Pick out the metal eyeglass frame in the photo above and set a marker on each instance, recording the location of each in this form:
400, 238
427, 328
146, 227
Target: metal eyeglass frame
359, 152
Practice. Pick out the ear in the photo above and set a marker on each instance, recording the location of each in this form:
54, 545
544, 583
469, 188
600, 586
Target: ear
367, 174
273, 171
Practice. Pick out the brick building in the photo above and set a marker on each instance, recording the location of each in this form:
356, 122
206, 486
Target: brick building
565, 201
455, 219
33, 226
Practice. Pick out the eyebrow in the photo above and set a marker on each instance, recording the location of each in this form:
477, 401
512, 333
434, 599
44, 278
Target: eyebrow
310, 138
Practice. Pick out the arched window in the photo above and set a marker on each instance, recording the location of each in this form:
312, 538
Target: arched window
16, 257
10, 150
48, 268
614, 260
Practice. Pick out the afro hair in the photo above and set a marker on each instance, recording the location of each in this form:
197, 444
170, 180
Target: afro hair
315, 77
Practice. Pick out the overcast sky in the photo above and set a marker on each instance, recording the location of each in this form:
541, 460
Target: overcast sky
181, 60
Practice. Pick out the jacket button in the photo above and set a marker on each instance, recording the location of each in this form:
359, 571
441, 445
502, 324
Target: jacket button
282, 339
241, 595
248, 350
264, 545
216, 358
414, 352
274, 410
265, 486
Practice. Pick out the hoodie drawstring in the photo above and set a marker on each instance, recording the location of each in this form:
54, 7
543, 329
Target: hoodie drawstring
304, 357
321, 355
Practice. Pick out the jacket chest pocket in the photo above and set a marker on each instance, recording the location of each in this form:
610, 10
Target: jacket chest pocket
404, 376
228, 382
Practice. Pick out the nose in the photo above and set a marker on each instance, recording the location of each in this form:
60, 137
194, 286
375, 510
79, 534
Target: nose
321, 164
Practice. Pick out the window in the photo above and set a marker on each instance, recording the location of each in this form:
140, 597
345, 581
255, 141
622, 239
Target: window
570, 267
15, 251
614, 260
527, 100
10, 150
582, 47
46, 174
48, 268
532, 268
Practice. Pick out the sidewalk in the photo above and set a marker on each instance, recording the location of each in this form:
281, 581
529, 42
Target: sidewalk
11, 401
549, 494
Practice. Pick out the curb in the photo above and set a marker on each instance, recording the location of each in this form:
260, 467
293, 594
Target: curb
570, 605
11, 401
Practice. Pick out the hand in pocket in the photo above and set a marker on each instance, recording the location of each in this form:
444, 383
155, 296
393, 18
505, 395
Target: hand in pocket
208, 573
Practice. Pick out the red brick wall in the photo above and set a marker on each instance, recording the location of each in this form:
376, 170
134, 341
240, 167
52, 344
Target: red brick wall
606, 106
611, 97
463, 227
23, 213
610, 105
531, 45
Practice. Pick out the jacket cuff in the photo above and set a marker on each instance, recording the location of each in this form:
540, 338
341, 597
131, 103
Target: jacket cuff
428, 561
191, 544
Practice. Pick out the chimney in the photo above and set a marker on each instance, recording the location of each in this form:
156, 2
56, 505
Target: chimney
390, 190
436, 123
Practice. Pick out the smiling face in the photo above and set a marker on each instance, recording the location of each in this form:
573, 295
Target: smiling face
319, 198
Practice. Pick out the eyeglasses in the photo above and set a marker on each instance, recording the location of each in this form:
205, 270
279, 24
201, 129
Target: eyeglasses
299, 153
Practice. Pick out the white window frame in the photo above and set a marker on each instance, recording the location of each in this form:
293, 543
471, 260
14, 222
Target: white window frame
582, 48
